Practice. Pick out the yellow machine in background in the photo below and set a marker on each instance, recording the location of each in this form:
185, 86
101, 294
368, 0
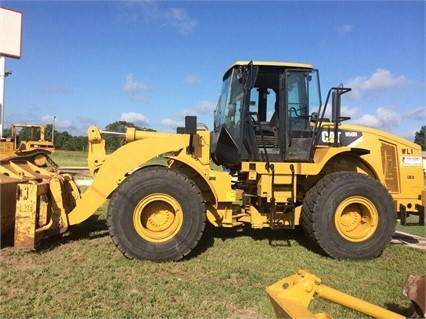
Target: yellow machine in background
36, 149
292, 295
273, 159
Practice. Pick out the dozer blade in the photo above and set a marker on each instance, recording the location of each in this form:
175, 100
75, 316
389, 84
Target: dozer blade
34, 203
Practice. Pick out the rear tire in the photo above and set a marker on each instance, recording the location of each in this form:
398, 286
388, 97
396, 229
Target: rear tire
349, 216
156, 214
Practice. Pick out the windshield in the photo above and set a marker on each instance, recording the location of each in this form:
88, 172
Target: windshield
229, 106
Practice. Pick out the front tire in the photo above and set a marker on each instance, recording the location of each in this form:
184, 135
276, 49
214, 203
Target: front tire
349, 216
156, 214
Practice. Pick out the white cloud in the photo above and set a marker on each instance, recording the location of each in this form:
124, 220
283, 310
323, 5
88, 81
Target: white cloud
179, 20
133, 86
192, 80
202, 108
134, 89
344, 29
135, 118
205, 107
186, 112
364, 86
416, 114
153, 12
344, 111
171, 125
384, 118
60, 124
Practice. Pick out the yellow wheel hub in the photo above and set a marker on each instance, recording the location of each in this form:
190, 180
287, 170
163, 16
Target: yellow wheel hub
356, 219
40, 160
157, 217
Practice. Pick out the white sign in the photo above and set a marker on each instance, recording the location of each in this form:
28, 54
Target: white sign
411, 161
10, 33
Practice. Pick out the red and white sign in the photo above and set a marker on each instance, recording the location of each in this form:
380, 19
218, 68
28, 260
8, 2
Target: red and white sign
10, 33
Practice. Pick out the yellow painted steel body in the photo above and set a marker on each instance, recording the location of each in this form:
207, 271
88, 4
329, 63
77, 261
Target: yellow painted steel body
222, 200
110, 170
292, 295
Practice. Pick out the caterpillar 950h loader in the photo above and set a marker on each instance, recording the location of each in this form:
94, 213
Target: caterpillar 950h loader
278, 163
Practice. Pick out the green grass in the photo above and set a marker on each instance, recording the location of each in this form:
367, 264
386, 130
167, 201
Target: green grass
412, 226
70, 158
79, 158
82, 274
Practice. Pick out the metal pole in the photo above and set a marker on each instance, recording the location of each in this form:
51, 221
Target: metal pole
53, 130
2, 82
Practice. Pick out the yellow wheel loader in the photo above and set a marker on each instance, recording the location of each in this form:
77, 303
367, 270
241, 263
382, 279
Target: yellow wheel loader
273, 159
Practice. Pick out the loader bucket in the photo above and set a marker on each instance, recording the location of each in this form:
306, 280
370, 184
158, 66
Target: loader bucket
35, 203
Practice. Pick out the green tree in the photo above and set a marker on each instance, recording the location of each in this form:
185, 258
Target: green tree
26, 134
114, 141
420, 139
81, 143
7, 132
61, 140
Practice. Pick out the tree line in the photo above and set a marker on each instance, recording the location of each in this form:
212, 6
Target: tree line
68, 142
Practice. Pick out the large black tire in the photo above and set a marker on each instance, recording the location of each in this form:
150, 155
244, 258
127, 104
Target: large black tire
156, 214
349, 216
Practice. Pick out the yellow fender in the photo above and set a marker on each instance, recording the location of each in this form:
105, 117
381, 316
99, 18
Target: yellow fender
118, 165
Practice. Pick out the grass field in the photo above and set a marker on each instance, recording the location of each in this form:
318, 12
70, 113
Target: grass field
68, 158
83, 275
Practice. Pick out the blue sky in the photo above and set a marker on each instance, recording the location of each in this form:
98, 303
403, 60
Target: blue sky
153, 62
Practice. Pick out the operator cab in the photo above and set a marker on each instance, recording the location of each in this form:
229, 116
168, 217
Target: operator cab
264, 113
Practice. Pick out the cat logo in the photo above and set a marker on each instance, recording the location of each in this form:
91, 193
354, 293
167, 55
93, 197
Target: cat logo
344, 138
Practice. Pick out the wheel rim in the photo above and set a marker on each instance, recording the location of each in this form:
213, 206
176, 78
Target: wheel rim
356, 219
157, 217
40, 160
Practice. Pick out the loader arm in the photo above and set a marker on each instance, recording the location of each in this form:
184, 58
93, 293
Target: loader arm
291, 296
111, 170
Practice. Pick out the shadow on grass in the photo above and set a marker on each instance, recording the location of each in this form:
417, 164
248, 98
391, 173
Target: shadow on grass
407, 312
93, 227
275, 237
96, 227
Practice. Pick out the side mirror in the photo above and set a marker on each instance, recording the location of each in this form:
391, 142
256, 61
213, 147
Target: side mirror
336, 105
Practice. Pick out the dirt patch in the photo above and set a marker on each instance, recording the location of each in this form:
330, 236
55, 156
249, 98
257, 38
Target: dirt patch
247, 313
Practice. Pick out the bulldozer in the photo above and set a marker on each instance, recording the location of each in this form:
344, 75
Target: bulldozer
37, 149
275, 158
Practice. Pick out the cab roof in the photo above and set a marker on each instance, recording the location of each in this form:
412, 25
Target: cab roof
272, 63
